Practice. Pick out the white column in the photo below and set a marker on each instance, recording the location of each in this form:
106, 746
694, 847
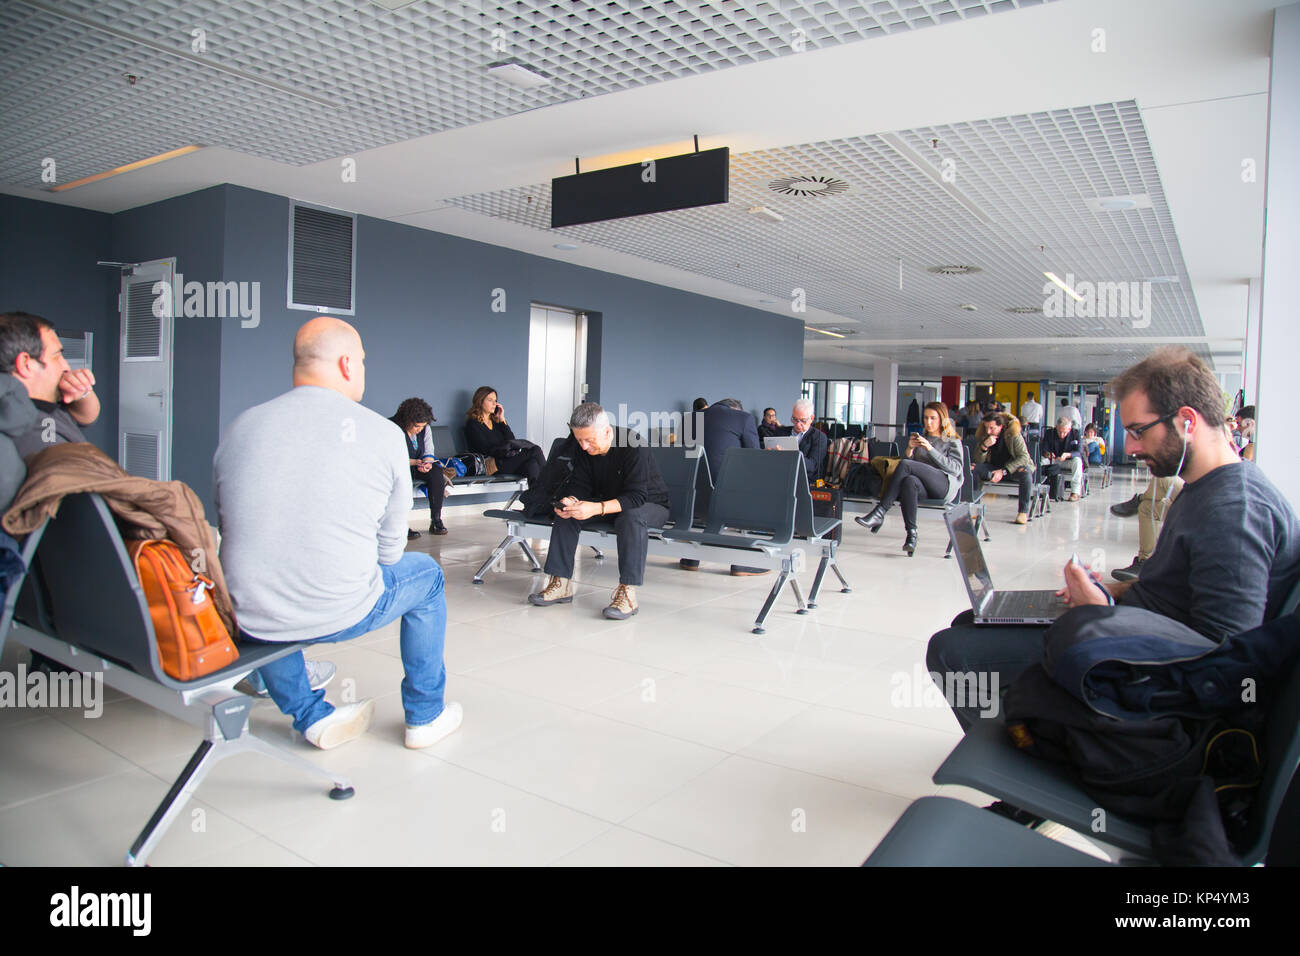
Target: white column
1250, 356
884, 396
1279, 333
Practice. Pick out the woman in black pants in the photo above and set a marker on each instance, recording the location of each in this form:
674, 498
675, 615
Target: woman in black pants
932, 469
413, 418
487, 433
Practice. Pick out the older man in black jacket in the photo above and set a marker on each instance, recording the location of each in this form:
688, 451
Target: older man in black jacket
613, 478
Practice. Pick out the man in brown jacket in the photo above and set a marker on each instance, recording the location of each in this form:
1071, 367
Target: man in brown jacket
1000, 455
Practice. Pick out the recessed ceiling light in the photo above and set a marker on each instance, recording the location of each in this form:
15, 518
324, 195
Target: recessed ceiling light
762, 212
834, 335
766, 301
1120, 203
516, 74
1063, 287
565, 245
1161, 280
953, 270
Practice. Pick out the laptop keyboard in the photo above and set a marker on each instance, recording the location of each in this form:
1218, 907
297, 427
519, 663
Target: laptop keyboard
1026, 604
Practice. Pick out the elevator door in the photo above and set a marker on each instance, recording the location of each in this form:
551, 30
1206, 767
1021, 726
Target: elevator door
557, 348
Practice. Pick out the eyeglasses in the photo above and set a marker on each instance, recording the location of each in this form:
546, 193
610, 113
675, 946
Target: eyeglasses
802, 421
1135, 431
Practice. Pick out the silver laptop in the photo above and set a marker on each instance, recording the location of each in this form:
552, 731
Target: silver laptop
992, 606
783, 442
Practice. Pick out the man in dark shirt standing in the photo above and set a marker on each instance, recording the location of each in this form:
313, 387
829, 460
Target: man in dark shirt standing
612, 478
1229, 552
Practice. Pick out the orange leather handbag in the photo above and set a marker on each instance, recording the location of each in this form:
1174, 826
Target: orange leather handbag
192, 640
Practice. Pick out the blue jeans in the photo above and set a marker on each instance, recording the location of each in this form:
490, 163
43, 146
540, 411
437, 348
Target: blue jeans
412, 591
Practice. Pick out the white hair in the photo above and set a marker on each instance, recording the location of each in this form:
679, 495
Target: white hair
803, 405
589, 415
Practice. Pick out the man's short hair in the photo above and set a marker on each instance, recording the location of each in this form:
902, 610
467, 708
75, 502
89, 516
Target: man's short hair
588, 415
992, 417
731, 403
1172, 377
699, 405
804, 405
1067, 419
20, 332
1029, 396
1246, 411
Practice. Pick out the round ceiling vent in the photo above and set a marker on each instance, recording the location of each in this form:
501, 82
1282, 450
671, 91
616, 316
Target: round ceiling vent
1026, 310
813, 185
953, 270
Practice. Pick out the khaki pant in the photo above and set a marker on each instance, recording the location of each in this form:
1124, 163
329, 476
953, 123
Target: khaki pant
1151, 512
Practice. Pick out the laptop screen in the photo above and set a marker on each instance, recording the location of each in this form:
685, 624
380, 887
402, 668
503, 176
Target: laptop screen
970, 556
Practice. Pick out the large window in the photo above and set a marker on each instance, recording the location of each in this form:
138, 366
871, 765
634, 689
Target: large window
847, 401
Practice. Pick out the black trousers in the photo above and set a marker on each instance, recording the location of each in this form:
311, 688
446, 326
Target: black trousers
436, 486
526, 463
629, 526
909, 479
964, 648
1022, 478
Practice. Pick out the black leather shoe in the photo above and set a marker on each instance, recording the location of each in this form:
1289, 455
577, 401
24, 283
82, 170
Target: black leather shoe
873, 520
1127, 574
910, 544
411, 535
437, 527
1126, 509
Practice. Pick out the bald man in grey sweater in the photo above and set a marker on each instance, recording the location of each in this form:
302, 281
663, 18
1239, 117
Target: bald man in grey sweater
312, 494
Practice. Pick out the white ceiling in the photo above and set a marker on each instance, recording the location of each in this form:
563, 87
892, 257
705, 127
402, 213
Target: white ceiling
1035, 120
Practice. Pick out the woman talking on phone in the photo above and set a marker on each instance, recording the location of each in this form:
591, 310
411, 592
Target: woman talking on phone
933, 465
487, 433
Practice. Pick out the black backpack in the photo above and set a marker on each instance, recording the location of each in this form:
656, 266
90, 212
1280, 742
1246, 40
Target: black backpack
474, 464
862, 480
553, 480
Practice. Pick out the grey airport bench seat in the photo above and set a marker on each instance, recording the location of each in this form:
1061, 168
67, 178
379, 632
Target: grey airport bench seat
81, 604
447, 445
759, 494
940, 831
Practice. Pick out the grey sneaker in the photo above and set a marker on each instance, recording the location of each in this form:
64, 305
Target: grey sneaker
623, 604
557, 591
1127, 574
319, 674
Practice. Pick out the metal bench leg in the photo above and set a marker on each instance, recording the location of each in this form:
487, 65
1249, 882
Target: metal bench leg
201, 762
528, 553
777, 585
798, 595
495, 556
844, 585
600, 555
817, 579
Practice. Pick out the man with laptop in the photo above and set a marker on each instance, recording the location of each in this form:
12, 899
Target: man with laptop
802, 437
1226, 561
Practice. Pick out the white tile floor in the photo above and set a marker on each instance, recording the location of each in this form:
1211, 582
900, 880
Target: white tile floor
675, 738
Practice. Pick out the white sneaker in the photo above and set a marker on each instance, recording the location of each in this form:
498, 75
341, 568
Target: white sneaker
426, 735
346, 723
319, 674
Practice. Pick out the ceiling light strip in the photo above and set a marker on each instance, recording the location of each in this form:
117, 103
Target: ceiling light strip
916, 159
181, 54
1063, 287
813, 328
129, 167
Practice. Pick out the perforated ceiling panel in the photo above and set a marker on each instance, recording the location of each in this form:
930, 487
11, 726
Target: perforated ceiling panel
1010, 196
300, 81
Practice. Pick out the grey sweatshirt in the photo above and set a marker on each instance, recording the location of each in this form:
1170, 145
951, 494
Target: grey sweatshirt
944, 454
312, 492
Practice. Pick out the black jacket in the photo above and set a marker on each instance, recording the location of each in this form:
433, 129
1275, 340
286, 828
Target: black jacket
492, 442
627, 472
725, 428
1053, 444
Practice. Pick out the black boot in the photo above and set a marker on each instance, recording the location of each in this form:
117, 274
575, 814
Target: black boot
437, 527
873, 520
910, 544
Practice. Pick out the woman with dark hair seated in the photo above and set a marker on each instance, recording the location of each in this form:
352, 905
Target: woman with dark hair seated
932, 469
413, 417
487, 434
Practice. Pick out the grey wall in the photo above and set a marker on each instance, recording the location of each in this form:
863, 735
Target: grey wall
192, 229
424, 312
47, 266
